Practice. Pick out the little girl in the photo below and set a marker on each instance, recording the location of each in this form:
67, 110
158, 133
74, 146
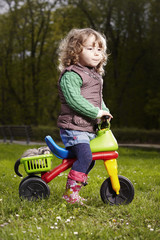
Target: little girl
82, 55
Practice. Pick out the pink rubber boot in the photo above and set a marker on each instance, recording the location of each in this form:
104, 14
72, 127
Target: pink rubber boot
71, 194
74, 184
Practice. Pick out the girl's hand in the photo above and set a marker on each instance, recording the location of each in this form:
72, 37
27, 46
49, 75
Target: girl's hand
103, 113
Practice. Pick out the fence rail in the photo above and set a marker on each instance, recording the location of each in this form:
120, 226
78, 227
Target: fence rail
13, 132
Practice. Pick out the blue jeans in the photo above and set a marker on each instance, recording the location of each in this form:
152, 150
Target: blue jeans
79, 143
73, 137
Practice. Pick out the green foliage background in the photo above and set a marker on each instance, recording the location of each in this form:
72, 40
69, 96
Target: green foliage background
30, 31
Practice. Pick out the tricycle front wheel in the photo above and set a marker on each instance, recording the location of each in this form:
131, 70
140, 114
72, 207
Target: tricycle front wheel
125, 195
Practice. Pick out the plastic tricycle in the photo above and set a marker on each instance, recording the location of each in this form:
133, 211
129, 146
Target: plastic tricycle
114, 190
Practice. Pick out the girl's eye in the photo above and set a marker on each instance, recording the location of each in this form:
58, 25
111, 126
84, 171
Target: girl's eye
91, 48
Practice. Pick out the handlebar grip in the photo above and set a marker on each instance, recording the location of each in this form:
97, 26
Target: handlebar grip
106, 117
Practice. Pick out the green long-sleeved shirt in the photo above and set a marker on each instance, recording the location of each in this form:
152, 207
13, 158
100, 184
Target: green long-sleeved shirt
71, 84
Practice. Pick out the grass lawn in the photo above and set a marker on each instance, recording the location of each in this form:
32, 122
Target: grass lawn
55, 219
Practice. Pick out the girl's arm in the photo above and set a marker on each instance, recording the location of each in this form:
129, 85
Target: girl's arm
71, 87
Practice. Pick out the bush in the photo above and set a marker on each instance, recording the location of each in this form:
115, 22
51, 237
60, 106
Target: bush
39, 133
132, 135
123, 135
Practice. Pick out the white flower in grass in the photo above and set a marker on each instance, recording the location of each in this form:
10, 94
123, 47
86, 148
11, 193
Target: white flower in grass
68, 220
4, 224
75, 233
38, 228
51, 227
17, 215
150, 227
55, 223
58, 218
61, 174
1, 200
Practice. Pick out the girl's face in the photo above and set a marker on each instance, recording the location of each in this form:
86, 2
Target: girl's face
91, 54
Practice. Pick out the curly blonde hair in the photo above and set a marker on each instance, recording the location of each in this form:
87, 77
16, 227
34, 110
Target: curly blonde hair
72, 45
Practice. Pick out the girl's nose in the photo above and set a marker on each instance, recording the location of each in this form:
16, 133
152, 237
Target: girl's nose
96, 52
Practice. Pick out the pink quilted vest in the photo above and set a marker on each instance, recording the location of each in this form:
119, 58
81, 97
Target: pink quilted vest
91, 90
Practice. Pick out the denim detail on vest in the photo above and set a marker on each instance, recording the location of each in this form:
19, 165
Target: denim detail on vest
91, 90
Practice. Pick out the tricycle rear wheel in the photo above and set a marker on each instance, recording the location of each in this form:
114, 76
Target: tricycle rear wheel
27, 177
33, 188
125, 195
